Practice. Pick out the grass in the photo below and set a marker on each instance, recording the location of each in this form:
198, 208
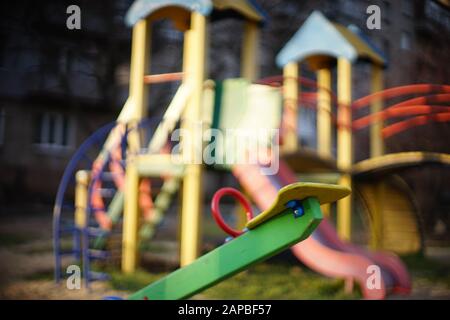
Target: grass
263, 281
278, 281
423, 268
44, 275
155, 247
134, 282
8, 239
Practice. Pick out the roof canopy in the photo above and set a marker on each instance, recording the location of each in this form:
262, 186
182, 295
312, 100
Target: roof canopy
141, 9
320, 37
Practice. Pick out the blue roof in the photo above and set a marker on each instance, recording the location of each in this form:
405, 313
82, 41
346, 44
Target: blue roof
142, 8
364, 37
318, 36
247, 8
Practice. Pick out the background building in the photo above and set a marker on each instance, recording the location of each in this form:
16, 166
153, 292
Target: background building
56, 87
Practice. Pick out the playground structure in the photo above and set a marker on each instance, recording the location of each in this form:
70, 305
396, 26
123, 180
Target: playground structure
135, 151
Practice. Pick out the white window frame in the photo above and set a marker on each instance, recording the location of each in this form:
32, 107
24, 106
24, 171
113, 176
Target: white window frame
45, 142
405, 41
386, 12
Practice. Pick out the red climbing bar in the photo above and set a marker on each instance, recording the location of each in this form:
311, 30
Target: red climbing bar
163, 77
398, 112
414, 122
400, 91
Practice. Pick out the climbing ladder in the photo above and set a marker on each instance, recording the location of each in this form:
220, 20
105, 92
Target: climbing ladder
67, 233
78, 230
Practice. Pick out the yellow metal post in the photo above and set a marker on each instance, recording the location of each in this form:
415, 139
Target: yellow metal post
324, 119
344, 145
187, 59
249, 56
81, 203
377, 149
324, 112
376, 139
81, 197
140, 61
249, 71
130, 220
192, 184
140, 57
290, 113
376, 240
187, 81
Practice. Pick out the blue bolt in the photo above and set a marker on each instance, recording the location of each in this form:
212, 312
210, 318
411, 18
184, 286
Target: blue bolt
297, 208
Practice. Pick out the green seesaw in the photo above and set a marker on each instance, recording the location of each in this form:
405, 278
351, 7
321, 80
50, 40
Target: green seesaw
292, 217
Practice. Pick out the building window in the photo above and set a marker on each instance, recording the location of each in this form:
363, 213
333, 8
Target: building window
353, 8
386, 48
438, 13
53, 130
3, 54
386, 13
2, 126
408, 8
405, 41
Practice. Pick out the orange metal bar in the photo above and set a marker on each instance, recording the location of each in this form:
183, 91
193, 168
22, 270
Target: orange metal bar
309, 83
398, 127
400, 91
424, 100
163, 77
310, 97
398, 112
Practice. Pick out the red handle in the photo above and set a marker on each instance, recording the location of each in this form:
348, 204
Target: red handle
218, 216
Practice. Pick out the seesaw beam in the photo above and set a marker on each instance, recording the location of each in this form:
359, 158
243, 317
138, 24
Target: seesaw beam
256, 245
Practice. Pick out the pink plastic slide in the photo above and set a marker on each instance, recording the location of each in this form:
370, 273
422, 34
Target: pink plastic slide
324, 251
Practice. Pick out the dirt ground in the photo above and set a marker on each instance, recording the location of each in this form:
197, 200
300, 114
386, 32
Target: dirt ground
26, 265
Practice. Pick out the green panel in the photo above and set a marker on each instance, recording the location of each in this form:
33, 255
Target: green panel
268, 239
159, 169
263, 109
115, 207
161, 205
248, 107
217, 102
231, 102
